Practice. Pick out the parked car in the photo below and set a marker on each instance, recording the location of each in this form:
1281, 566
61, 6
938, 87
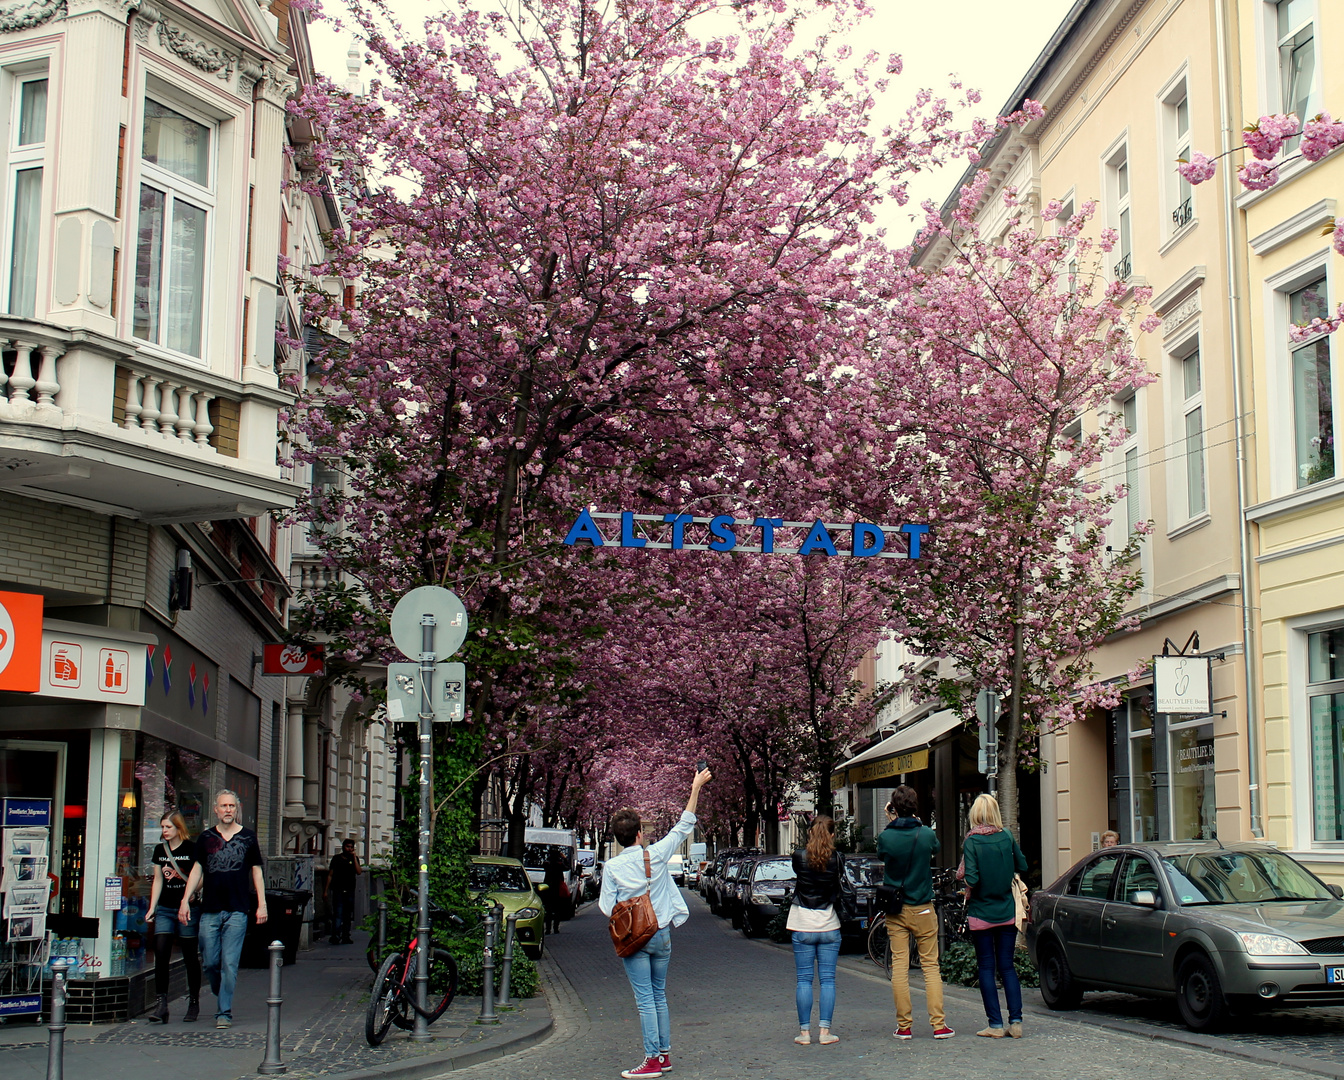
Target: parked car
863, 873
592, 882
507, 883
727, 892
676, 866
767, 883
713, 881
1218, 927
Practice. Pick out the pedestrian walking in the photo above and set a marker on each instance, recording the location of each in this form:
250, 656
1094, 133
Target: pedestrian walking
555, 897
633, 872
907, 847
172, 863
341, 873
814, 919
227, 867
991, 858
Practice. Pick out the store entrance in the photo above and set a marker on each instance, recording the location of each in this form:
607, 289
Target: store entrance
36, 770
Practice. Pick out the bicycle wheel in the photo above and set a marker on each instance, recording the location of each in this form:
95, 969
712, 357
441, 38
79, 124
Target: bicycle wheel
387, 1005
879, 944
442, 985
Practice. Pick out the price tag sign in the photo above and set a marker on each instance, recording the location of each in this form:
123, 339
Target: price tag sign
112, 898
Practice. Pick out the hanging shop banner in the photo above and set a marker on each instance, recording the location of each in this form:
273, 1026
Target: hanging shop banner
1182, 684
293, 660
881, 769
20, 641
725, 533
91, 668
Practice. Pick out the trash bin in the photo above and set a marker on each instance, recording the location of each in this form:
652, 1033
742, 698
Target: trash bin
284, 922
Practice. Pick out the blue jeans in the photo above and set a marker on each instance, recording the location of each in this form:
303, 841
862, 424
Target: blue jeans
165, 921
222, 935
647, 972
994, 948
342, 912
822, 950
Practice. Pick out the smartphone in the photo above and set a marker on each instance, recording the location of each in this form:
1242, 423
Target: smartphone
701, 765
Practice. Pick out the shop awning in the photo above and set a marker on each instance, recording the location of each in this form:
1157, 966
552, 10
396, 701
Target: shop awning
906, 751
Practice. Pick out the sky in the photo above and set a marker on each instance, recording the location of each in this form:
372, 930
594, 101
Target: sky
989, 44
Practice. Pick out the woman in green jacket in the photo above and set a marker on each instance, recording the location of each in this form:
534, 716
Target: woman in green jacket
992, 857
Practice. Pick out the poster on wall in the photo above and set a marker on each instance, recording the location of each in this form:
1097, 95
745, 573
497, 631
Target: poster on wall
26, 928
26, 900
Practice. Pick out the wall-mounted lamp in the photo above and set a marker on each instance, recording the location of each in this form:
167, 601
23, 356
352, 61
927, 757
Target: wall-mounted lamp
180, 583
128, 801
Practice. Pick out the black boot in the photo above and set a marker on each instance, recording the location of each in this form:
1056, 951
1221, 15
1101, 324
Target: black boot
159, 1014
193, 1009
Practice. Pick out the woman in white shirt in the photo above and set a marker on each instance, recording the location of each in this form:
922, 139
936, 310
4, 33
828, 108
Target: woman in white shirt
816, 927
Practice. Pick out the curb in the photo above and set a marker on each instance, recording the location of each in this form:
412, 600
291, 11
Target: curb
420, 1068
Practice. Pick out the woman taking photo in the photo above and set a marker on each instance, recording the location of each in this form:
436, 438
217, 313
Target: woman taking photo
816, 926
991, 858
172, 866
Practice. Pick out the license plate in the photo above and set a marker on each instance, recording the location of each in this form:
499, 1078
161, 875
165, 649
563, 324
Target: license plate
863, 925
1334, 974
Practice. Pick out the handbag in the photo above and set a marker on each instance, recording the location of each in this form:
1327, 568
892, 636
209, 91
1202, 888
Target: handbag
632, 921
889, 899
1022, 908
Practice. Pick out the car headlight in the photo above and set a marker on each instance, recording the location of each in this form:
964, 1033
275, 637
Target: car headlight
1271, 945
528, 912
762, 898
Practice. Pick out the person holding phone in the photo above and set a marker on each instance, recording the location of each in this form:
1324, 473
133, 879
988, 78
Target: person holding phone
172, 863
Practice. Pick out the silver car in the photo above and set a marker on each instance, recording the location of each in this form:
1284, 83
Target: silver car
1217, 927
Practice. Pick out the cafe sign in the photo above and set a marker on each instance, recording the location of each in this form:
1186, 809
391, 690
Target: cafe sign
881, 769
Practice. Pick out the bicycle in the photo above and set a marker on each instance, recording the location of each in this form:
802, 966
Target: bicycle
949, 901
392, 1000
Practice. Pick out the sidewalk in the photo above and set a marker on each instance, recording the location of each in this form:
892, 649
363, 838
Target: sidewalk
322, 1033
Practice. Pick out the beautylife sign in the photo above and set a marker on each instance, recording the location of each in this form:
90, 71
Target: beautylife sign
724, 533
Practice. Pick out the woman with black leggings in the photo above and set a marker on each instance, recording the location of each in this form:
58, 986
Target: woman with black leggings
172, 866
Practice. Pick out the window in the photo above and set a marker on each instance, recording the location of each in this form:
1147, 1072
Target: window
27, 150
1129, 452
1138, 876
1096, 878
1142, 774
1176, 121
1193, 803
1325, 711
176, 198
1190, 413
1296, 33
1118, 183
1313, 405
1064, 216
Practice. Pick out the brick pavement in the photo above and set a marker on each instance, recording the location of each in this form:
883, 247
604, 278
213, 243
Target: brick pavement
732, 1017
322, 1026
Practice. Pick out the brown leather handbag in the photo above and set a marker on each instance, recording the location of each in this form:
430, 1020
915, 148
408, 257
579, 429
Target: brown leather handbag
633, 922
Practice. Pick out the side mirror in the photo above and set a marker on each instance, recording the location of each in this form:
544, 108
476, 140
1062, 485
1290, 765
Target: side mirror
1337, 891
1143, 898
542, 887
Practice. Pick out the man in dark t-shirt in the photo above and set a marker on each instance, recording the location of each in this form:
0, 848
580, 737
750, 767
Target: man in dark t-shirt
341, 873
228, 860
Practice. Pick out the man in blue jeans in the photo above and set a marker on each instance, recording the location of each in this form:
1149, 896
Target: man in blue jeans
228, 859
624, 877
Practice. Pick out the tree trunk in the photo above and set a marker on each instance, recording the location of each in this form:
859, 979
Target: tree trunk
1008, 748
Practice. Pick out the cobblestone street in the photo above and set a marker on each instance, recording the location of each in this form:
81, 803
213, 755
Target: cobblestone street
732, 1016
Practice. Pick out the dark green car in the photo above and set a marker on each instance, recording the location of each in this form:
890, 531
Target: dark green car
1218, 927
507, 883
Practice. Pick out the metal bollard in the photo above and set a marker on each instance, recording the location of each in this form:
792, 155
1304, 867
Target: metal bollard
56, 1038
488, 972
382, 928
511, 924
272, 1063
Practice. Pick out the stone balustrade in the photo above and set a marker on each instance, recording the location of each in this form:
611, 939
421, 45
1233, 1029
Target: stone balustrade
169, 404
29, 376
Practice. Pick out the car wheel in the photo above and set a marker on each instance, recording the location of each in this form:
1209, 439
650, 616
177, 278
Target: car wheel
1059, 989
748, 927
532, 952
736, 920
1199, 994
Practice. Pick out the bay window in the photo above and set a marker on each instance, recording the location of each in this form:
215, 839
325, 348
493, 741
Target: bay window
27, 152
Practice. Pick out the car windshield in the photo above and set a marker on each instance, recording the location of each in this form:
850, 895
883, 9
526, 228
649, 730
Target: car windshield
539, 856
498, 878
774, 871
865, 873
1240, 877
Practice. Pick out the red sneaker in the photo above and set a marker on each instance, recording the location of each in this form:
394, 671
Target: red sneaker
665, 1060
651, 1067
902, 1033
943, 1032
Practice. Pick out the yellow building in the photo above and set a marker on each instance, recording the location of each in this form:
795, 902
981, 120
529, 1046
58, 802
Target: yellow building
1292, 60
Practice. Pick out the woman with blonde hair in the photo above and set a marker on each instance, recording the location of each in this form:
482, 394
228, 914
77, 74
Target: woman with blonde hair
992, 858
172, 866
816, 927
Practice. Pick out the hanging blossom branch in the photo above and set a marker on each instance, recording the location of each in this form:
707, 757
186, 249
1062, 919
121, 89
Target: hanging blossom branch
1265, 139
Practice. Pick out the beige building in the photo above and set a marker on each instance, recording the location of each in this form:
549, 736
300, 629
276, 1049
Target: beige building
1129, 88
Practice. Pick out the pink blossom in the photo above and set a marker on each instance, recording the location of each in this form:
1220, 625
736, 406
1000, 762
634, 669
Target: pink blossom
1198, 169
1258, 176
1265, 137
1320, 136
1338, 235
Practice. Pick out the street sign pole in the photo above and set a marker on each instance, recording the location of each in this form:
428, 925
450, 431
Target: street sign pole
420, 1030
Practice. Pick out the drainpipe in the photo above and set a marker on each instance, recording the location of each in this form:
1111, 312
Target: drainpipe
1229, 142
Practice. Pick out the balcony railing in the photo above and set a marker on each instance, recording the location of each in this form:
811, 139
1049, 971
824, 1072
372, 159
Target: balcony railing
1184, 213
306, 575
1123, 269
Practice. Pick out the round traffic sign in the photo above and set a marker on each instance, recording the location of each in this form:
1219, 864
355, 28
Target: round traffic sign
450, 621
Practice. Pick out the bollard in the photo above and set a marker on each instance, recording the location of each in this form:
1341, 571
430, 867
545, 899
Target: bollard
272, 1063
488, 972
382, 928
512, 923
56, 1029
